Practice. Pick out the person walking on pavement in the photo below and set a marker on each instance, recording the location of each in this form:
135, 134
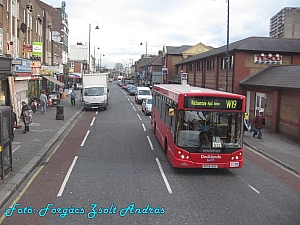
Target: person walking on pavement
73, 96
44, 100
13, 122
27, 116
246, 118
258, 123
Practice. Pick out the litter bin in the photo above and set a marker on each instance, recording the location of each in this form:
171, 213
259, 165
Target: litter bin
59, 112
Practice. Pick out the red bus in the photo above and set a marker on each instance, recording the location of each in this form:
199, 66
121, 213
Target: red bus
198, 127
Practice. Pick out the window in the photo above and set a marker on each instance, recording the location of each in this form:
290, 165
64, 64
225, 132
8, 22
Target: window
210, 64
223, 63
199, 66
191, 67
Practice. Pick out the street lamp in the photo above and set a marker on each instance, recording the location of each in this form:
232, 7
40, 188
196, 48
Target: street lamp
100, 62
145, 61
97, 28
95, 69
227, 48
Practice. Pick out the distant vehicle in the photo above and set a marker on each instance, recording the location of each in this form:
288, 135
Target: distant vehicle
147, 106
120, 78
95, 91
79, 86
132, 91
110, 80
129, 86
141, 93
125, 81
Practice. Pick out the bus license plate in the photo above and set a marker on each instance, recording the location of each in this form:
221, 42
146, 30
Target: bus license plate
210, 166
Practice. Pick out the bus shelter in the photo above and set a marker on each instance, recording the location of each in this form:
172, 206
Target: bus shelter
5, 141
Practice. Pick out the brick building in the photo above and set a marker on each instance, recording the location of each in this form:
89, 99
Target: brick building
249, 57
27, 50
173, 55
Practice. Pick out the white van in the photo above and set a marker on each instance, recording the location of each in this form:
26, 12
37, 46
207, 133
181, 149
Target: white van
142, 93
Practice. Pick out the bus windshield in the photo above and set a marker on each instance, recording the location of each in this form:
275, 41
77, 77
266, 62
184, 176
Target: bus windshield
206, 131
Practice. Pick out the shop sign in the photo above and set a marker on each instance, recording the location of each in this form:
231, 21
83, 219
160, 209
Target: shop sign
27, 48
268, 58
37, 48
24, 66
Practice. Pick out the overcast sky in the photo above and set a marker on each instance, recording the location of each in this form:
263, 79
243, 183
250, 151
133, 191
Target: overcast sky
125, 24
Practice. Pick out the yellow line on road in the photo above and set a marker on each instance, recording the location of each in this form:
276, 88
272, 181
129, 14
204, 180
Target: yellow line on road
33, 177
22, 192
272, 161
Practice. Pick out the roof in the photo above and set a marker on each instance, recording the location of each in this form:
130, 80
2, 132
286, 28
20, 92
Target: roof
171, 50
156, 60
261, 44
279, 77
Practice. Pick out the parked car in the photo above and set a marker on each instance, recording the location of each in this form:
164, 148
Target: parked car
132, 91
141, 93
147, 106
129, 86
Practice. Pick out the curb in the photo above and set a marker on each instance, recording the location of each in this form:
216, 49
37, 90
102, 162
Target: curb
17, 180
273, 159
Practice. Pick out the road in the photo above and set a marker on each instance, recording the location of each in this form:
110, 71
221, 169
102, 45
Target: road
111, 163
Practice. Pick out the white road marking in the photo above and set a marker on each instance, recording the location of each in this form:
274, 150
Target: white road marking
86, 135
61, 190
164, 176
97, 112
144, 127
133, 108
16, 148
253, 189
92, 123
150, 143
139, 116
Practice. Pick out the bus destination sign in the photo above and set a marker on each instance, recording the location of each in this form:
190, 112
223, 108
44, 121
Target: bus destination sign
205, 102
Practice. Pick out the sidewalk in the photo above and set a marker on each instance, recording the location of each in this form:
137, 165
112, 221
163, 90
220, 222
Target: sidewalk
277, 147
29, 149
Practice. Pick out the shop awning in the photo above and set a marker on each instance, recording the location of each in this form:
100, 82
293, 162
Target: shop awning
52, 79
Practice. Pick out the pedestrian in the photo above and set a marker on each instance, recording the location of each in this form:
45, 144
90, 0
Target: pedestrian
27, 116
14, 122
258, 123
44, 100
246, 118
73, 96
60, 91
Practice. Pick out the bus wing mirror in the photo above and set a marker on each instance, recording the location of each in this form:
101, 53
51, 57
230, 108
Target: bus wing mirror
171, 111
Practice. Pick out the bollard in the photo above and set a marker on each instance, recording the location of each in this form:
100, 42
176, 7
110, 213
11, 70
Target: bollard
59, 112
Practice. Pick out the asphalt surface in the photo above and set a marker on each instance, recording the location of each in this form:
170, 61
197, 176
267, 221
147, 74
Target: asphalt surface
29, 149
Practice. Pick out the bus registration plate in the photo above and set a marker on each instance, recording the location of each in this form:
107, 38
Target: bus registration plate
210, 166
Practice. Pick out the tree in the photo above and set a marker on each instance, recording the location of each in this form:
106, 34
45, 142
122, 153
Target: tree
119, 67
